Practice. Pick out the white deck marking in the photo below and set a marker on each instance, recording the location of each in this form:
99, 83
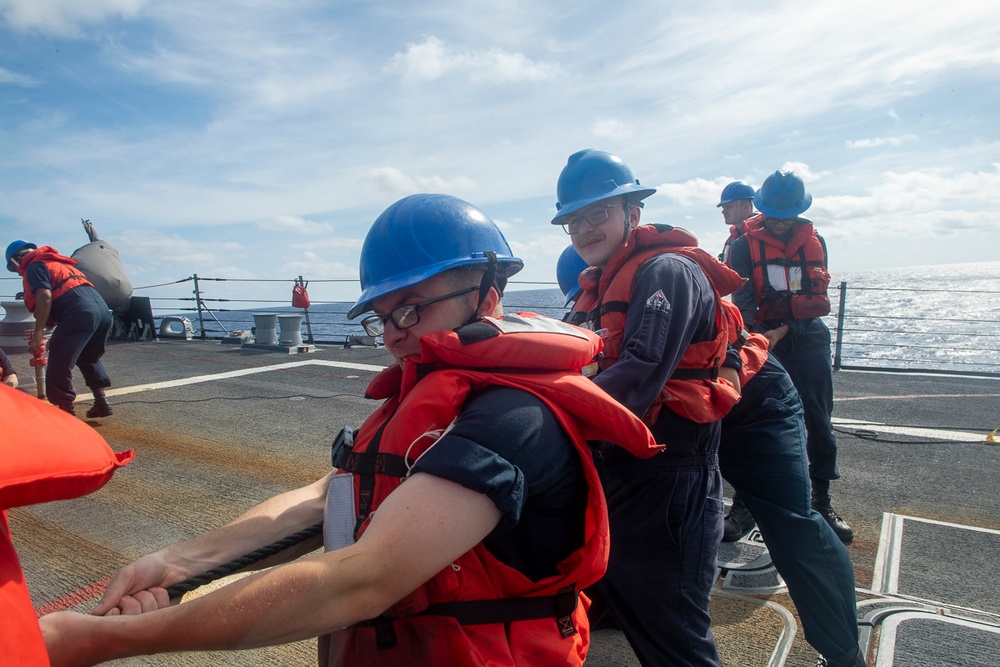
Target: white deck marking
913, 431
197, 379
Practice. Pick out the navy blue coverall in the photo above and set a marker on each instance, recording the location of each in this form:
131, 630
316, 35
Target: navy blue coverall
83, 321
762, 455
665, 512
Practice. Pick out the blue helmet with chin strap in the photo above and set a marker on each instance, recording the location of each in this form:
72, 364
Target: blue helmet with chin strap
591, 176
568, 271
13, 249
423, 235
734, 192
783, 195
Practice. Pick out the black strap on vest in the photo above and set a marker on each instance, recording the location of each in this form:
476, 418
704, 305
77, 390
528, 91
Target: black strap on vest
69, 276
365, 465
478, 612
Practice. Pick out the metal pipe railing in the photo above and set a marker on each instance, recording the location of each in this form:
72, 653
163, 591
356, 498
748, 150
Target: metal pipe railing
864, 336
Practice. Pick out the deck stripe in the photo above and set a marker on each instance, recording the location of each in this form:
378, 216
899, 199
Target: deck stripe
74, 598
845, 399
197, 379
913, 431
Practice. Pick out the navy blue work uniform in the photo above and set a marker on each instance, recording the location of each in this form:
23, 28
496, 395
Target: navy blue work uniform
762, 455
665, 512
83, 321
805, 354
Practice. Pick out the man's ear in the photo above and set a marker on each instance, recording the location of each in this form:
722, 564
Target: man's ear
488, 308
634, 214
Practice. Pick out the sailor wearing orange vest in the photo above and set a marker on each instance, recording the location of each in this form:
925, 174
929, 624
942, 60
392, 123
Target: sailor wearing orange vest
785, 298
59, 294
736, 203
655, 299
474, 514
763, 440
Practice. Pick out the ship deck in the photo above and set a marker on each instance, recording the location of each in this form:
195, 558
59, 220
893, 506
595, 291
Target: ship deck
218, 428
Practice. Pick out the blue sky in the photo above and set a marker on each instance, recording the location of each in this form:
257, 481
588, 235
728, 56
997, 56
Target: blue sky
261, 138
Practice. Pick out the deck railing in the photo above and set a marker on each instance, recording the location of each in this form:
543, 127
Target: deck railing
866, 336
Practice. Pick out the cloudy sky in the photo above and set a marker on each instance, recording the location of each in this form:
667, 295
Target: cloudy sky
260, 138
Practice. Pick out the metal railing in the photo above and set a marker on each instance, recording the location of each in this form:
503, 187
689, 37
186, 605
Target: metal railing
866, 333
926, 338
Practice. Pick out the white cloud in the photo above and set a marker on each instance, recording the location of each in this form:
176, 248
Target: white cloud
6, 76
880, 141
64, 17
433, 59
294, 225
393, 181
803, 171
695, 192
610, 128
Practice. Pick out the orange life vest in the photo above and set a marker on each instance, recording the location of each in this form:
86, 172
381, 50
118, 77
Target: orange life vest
751, 346
480, 611
66, 459
61, 274
694, 391
790, 277
735, 231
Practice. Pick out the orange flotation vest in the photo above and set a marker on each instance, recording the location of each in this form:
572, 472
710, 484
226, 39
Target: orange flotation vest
735, 231
62, 274
694, 391
751, 346
66, 458
480, 611
790, 277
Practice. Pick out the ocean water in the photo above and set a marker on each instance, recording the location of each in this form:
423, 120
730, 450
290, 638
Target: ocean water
942, 318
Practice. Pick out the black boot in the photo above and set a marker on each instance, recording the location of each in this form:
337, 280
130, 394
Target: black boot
67, 408
821, 503
101, 406
738, 521
853, 659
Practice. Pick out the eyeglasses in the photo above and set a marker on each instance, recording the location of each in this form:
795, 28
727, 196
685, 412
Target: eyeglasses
595, 217
406, 316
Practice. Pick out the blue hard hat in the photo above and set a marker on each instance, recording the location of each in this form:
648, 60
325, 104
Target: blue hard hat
568, 271
423, 235
783, 195
591, 176
12, 250
735, 191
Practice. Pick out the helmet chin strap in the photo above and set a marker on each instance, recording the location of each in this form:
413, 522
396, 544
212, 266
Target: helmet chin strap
628, 222
488, 281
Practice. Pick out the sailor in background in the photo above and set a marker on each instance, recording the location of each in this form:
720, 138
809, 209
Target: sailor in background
7, 374
785, 298
57, 293
736, 203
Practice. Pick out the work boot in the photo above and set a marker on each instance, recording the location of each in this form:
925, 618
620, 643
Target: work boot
856, 659
68, 407
821, 503
738, 521
101, 407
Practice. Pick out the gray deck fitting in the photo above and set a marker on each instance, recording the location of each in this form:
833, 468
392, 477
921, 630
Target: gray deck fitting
928, 616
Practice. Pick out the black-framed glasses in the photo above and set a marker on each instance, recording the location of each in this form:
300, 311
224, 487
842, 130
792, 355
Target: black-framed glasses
406, 316
595, 217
